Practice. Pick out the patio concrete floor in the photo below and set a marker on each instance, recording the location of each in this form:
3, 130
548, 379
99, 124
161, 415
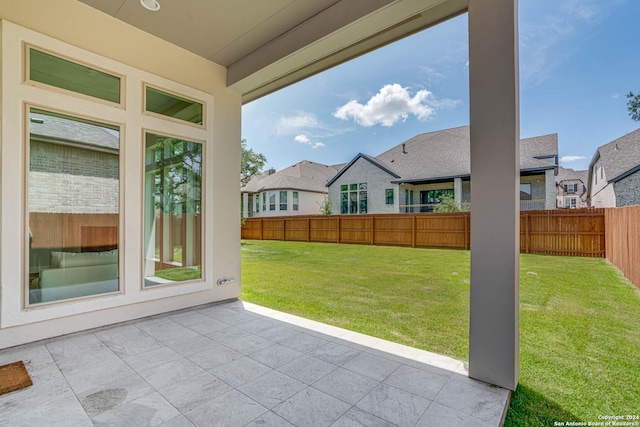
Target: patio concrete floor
239, 364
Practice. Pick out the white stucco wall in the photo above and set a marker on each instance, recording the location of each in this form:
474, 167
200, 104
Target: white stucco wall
377, 182
602, 193
308, 204
604, 198
106, 43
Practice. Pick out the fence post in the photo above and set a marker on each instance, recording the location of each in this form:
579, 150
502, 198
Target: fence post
413, 231
284, 229
338, 229
527, 237
466, 230
261, 229
308, 229
372, 227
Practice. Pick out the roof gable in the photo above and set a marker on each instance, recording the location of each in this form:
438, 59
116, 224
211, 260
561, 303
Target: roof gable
374, 161
304, 175
621, 156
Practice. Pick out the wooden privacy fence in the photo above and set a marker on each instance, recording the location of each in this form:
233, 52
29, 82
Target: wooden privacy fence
623, 240
568, 232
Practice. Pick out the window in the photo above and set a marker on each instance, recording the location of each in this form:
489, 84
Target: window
272, 201
570, 202
257, 203
570, 188
408, 200
264, 201
170, 105
525, 192
430, 198
283, 200
172, 210
64, 74
295, 200
353, 198
73, 205
388, 196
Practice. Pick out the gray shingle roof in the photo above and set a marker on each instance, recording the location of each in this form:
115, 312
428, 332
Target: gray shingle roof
304, 175
445, 154
621, 155
565, 174
58, 128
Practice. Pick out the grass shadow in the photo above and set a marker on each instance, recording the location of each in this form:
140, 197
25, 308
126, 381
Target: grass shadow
529, 408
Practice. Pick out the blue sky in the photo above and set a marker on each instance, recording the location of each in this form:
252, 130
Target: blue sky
578, 60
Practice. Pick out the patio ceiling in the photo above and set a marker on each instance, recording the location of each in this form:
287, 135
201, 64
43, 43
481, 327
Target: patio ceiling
267, 45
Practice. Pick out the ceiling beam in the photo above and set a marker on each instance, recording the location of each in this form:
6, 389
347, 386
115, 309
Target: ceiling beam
342, 32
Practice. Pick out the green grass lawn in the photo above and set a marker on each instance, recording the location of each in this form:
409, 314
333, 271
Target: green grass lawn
579, 317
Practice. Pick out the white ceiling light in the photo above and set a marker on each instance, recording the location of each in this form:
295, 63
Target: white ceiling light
151, 5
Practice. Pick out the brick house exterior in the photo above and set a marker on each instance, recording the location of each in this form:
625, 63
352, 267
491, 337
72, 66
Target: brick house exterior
614, 173
571, 188
295, 190
414, 175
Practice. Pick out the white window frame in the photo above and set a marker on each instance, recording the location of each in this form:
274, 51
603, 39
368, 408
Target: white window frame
17, 91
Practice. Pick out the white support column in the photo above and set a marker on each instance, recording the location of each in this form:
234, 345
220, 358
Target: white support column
457, 191
245, 205
396, 198
494, 118
550, 189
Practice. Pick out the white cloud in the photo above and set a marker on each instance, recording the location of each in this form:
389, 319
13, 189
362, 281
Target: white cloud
299, 121
568, 159
393, 103
432, 75
304, 139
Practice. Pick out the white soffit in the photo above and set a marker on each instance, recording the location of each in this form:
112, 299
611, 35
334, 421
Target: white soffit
269, 44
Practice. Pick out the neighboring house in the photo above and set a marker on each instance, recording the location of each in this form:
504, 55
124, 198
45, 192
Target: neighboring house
614, 173
571, 188
415, 175
296, 190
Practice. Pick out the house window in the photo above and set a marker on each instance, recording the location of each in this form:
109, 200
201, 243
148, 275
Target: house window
283, 200
172, 210
430, 198
570, 202
73, 207
525, 191
177, 107
257, 203
570, 188
61, 73
295, 200
388, 196
264, 201
272, 201
408, 200
353, 198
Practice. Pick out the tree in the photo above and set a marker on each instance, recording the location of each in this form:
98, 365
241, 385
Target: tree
251, 163
326, 207
633, 105
448, 204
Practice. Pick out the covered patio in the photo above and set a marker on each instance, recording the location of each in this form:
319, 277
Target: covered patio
239, 364
206, 59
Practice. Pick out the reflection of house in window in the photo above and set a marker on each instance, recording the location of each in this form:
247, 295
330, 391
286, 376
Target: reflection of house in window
73, 207
525, 191
173, 207
430, 198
